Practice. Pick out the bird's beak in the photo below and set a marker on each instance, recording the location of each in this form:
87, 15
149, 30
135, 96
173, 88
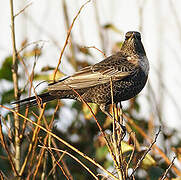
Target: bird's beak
131, 37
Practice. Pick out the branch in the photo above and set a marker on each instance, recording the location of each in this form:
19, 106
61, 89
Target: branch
169, 167
62, 141
7, 149
23, 9
94, 47
73, 157
145, 153
117, 149
67, 38
155, 147
16, 92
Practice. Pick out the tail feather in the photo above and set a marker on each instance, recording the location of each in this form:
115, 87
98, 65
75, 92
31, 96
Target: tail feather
33, 100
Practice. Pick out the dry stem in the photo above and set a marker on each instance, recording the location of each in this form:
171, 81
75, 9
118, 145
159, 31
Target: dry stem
116, 147
155, 148
167, 170
73, 157
145, 153
7, 149
67, 38
33, 140
62, 141
16, 93
94, 47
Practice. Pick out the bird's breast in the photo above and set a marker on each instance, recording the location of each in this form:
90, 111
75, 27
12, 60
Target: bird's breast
144, 64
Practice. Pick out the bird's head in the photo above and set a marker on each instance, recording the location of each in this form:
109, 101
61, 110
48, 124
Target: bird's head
133, 44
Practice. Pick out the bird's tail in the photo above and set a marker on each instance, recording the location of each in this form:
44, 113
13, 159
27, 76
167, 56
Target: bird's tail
35, 100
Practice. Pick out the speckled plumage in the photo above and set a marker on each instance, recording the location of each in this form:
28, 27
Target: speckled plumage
128, 69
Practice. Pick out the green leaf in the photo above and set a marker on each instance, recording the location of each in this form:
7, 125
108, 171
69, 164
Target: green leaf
49, 76
108, 164
147, 162
7, 96
126, 147
47, 68
113, 28
101, 153
77, 105
34, 52
155, 173
39, 77
84, 50
5, 71
86, 110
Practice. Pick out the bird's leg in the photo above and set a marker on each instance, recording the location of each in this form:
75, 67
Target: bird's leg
105, 109
120, 122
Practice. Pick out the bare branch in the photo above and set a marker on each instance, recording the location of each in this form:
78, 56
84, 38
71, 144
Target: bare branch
7, 149
96, 49
155, 147
16, 92
31, 146
67, 38
146, 152
169, 167
23, 9
73, 157
62, 141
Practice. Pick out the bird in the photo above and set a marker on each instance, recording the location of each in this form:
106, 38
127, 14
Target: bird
127, 69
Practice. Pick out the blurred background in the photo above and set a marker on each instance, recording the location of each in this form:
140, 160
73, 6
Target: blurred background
41, 30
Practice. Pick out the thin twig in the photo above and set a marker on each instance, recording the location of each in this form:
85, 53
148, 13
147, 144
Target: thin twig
131, 157
51, 140
31, 43
7, 149
62, 161
155, 147
7, 127
67, 38
118, 162
45, 142
44, 164
62, 141
57, 162
97, 19
169, 167
30, 79
39, 159
145, 153
2, 175
73, 157
129, 130
99, 126
23, 9
33, 139
72, 59
94, 47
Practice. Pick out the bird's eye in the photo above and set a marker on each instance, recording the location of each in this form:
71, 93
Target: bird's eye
127, 36
133, 34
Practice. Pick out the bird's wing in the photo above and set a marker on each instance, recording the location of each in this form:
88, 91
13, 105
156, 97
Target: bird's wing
97, 74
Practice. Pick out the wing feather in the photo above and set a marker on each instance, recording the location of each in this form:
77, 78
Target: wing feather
97, 74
